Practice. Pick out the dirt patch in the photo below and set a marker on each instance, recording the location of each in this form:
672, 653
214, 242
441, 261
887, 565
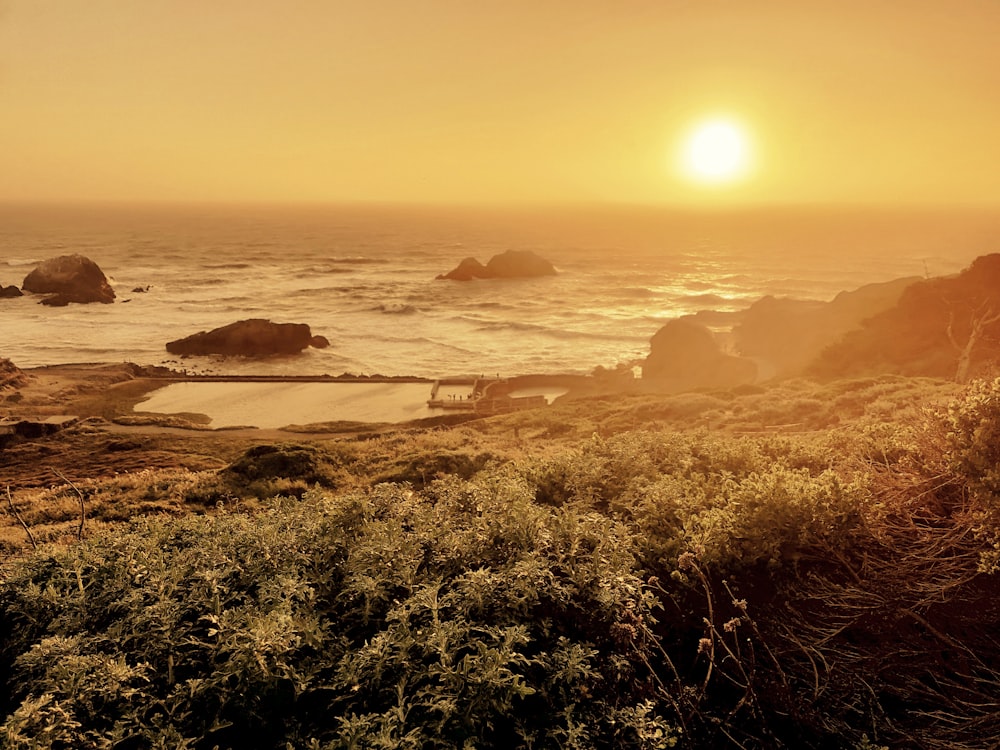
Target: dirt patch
89, 454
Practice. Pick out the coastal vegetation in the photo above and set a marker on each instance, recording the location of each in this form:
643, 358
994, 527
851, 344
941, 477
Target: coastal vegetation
800, 565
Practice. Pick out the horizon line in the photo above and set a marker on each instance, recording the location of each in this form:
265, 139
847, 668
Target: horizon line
534, 205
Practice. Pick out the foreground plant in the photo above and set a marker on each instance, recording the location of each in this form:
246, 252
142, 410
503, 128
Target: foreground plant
467, 617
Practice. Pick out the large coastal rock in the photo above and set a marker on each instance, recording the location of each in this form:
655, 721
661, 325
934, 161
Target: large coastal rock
467, 270
945, 327
255, 337
512, 264
684, 355
518, 264
69, 278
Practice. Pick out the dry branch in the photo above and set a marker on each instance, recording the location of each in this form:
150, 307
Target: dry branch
13, 510
83, 509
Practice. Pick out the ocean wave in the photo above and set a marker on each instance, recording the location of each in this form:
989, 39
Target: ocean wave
242, 309
702, 285
12, 262
227, 266
471, 309
354, 260
314, 292
312, 271
707, 299
486, 305
638, 292
511, 326
426, 342
556, 333
395, 308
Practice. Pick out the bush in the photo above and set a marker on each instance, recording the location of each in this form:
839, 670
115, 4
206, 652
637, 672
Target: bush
307, 463
650, 589
973, 422
472, 617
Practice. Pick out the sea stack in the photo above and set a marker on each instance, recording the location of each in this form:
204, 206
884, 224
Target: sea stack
512, 264
69, 278
255, 337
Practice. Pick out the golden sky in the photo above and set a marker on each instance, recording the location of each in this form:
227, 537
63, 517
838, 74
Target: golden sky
506, 100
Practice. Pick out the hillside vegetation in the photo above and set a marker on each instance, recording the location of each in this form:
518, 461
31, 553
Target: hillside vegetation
805, 566
941, 327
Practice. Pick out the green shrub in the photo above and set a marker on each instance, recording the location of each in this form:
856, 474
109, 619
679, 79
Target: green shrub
422, 467
308, 463
973, 421
470, 617
809, 588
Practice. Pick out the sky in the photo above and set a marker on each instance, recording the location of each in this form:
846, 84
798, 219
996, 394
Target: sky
509, 101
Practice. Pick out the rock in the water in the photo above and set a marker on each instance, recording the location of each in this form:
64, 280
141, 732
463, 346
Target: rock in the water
468, 269
72, 278
684, 355
248, 338
57, 300
518, 264
9, 292
512, 264
319, 342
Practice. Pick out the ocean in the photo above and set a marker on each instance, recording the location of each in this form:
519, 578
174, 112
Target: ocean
364, 277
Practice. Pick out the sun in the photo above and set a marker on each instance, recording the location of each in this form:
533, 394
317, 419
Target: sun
716, 151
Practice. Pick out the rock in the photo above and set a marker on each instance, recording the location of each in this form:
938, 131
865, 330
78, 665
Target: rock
142, 289
319, 342
10, 292
683, 355
468, 269
41, 427
57, 300
248, 338
11, 375
74, 278
519, 264
512, 264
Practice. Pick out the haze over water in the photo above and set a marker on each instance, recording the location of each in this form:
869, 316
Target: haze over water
363, 276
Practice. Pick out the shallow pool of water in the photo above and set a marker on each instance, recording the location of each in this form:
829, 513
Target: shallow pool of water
273, 405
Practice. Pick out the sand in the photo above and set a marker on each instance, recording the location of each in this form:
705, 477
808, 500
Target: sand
275, 405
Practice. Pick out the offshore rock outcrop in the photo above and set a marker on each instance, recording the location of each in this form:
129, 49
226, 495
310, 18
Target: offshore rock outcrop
684, 355
512, 264
69, 278
9, 292
255, 337
467, 270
